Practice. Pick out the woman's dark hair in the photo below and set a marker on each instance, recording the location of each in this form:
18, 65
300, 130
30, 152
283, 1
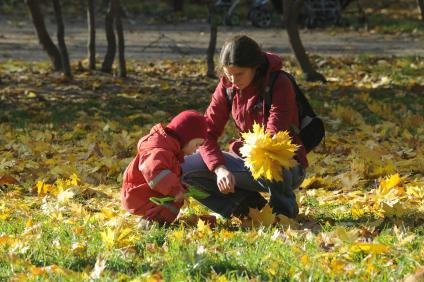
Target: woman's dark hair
243, 51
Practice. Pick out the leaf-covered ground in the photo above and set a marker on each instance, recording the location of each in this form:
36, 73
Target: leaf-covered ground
64, 146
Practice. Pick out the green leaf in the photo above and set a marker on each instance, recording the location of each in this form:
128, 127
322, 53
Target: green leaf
197, 193
161, 201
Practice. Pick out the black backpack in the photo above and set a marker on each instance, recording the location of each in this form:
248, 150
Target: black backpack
311, 130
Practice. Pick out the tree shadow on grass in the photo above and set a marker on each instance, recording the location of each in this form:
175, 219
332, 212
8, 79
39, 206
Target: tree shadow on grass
97, 96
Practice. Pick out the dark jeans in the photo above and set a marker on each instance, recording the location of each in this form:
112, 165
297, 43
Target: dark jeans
282, 198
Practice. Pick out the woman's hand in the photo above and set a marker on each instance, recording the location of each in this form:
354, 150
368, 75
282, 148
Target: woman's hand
225, 180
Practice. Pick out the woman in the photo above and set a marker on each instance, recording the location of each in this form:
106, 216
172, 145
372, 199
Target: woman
245, 72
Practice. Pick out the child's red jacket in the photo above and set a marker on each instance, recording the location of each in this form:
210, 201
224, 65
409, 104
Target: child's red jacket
154, 172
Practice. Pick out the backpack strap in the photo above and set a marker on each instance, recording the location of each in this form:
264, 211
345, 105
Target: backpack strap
303, 106
268, 91
311, 128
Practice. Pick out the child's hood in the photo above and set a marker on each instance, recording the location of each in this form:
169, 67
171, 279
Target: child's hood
157, 138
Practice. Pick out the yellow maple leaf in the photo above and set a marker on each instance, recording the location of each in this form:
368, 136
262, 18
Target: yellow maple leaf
266, 156
374, 248
357, 211
4, 216
79, 248
202, 226
177, 235
108, 237
44, 188
284, 220
202, 229
313, 182
415, 191
346, 235
108, 213
73, 180
6, 240
390, 182
225, 234
305, 259
391, 187
395, 208
382, 170
123, 234
337, 266
46, 270
263, 217
65, 196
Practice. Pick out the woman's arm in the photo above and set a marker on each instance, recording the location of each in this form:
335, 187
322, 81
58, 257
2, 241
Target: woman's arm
283, 112
217, 115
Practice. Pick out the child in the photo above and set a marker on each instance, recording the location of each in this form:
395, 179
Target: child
156, 170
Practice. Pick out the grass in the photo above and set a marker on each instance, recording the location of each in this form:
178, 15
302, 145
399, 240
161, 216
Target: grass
49, 136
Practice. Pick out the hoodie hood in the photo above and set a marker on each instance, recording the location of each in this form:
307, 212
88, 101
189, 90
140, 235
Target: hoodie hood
274, 62
158, 138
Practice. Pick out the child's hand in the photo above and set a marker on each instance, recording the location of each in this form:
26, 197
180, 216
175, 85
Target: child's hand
179, 197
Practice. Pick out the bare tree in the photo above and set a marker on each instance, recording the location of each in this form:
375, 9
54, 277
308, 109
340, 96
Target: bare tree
121, 42
43, 35
61, 39
212, 40
291, 12
92, 35
178, 5
110, 38
421, 7
113, 18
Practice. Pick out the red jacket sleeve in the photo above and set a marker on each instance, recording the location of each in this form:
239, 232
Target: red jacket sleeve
156, 168
283, 113
217, 115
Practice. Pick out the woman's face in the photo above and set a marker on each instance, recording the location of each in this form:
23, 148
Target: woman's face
240, 77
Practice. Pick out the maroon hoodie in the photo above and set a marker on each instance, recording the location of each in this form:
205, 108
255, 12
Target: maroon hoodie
282, 115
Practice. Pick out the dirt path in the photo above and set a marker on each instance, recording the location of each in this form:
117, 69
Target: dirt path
18, 41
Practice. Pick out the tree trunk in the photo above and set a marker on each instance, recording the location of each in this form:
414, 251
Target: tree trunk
421, 7
110, 37
212, 41
61, 39
291, 13
178, 5
92, 36
43, 35
121, 41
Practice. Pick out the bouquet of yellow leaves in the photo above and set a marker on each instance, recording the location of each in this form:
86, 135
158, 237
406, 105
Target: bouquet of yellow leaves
266, 156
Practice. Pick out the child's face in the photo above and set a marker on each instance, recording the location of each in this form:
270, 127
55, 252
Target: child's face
240, 77
192, 146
